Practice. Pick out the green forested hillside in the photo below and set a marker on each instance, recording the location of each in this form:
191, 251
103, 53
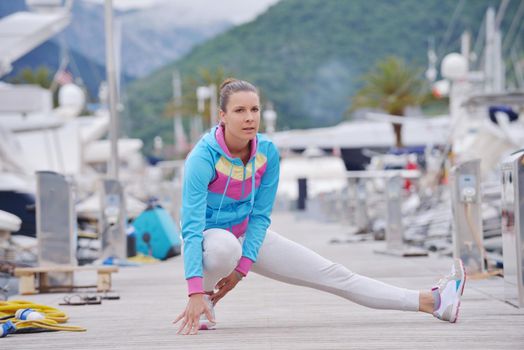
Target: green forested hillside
307, 56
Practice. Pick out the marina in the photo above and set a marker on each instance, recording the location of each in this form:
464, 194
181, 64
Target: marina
264, 314
91, 220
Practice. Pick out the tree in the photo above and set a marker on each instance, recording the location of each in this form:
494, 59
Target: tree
40, 77
188, 106
391, 86
189, 100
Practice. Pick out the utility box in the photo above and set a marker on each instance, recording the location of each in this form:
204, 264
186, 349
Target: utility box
113, 220
513, 227
468, 237
56, 229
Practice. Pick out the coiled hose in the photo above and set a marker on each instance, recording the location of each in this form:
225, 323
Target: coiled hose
45, 318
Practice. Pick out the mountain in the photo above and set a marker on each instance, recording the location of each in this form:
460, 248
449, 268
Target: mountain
308, 57
150, 38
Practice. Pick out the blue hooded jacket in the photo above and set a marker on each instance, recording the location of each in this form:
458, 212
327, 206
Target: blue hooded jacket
218, 193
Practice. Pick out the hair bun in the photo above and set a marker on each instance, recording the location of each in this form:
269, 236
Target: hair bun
227, 82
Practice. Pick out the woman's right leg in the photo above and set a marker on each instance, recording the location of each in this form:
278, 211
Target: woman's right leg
284, 260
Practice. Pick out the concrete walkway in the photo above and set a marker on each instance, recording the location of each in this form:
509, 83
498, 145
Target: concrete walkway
265, 314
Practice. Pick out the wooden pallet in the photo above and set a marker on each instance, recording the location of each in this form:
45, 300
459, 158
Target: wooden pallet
34, 280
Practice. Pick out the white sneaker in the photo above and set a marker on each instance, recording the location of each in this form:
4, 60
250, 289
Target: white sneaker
450, 289
205, 324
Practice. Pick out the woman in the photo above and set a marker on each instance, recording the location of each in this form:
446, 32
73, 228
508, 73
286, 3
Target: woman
230, 181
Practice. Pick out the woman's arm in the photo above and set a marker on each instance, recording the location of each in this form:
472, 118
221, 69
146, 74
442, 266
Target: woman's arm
198, 172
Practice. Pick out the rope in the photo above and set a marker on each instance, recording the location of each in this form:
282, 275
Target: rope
51, 321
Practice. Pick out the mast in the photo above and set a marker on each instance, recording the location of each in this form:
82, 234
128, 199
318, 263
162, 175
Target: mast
112, 87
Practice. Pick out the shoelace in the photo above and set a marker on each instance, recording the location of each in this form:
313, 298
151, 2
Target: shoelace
445, 280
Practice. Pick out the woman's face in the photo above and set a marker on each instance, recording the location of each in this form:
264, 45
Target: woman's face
242, 115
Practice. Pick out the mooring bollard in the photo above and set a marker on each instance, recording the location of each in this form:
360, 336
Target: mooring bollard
513, 227
468, 240
394, 227
302, 193
55, 220
113, 220
55, 225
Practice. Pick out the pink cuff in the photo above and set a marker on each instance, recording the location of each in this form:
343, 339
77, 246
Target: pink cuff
194, 285
244, 265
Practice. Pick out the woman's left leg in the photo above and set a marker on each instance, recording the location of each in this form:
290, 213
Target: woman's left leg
284, 260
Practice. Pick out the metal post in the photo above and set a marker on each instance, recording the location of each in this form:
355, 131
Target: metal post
113, 220
394, 228
179, 136
513, 227
468, 241
55, 226
498, 63
55, 220
489, 51
358, 206
394, 213
465, 43
113, 93
213, 105
302, 194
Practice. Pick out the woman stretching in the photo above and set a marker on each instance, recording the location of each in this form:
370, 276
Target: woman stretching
230, 181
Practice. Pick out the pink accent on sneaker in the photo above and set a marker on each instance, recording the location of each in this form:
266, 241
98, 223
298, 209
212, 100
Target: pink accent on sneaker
244, 265
437, 306
461, 292
194, 285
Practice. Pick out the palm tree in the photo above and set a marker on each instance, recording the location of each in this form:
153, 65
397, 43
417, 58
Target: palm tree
391, 86
39, 76
188, 108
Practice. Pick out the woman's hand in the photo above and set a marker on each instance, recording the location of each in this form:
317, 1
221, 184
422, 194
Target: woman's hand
225, 285
196, 306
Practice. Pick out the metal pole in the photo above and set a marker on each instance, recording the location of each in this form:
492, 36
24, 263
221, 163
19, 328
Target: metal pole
465, 46
302, 193
213, 108
178, 129
498, 64
113, 93
488, 52
394, 227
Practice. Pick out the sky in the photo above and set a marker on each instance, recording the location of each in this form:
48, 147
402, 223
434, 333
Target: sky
236, 11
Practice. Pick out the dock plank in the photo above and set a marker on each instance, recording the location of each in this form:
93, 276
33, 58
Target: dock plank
264, 314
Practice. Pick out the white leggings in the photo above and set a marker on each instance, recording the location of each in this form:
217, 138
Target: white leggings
289, 262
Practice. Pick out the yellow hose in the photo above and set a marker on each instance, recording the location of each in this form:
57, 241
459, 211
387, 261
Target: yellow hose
51, 321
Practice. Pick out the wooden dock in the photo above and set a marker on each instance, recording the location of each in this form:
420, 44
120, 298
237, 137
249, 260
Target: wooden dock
265, 314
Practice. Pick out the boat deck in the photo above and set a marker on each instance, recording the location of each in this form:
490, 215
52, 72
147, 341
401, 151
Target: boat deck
265, 314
